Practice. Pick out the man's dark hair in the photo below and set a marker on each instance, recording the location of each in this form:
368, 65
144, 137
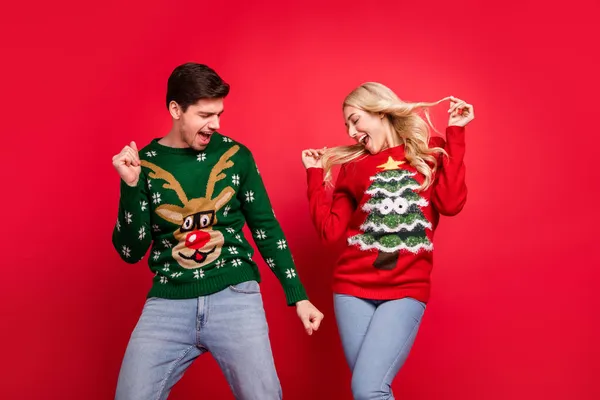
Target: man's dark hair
191, 82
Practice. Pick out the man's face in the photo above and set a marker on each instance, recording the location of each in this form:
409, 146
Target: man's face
200, 121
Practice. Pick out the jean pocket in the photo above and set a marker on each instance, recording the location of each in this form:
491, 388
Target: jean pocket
248, 287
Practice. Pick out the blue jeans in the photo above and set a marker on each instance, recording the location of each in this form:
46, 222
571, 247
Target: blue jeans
377, 336
171, 334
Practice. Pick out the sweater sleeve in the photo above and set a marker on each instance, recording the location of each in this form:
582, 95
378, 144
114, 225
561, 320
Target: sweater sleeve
266, 231
131, 234
330, 216
450, 190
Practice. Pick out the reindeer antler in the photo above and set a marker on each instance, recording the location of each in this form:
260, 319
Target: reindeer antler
216, 173
159, 173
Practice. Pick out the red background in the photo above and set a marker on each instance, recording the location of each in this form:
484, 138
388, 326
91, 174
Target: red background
514, 313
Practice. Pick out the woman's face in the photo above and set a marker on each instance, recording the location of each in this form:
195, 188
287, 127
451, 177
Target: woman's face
366, 128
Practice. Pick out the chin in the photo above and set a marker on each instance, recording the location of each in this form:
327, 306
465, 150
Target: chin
372, 151
199, 147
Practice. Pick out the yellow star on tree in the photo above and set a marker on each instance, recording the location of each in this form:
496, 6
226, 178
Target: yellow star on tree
391, 164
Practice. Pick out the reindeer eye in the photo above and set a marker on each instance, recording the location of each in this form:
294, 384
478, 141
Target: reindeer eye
188, 222
204, 221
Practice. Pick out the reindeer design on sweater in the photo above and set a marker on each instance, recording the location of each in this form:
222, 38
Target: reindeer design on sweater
197, 243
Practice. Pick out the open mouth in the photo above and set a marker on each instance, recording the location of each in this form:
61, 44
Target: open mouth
199, 256
204, 136
364, 139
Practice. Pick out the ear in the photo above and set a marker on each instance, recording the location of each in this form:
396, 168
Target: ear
223, 198
175, 110
171, 213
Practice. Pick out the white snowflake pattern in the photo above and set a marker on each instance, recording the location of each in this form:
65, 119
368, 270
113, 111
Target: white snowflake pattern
156, 254
236, 262
260, 234
257, 171
250, 196
151, 153
143, 205
149, 184
250, 256
166, 243
163, 280
281, 244
142, 233
232, 250
238, 237
226, 139
167, 268
220, 264
235, 179
128, 217
155, 228
118, 225
198, 274
271, 263
201, 157
226, 211
156, 198
274, 214
231, 230
290, 273
176, 274
126, 251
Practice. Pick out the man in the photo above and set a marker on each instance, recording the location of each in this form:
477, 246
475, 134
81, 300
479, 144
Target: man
189, 195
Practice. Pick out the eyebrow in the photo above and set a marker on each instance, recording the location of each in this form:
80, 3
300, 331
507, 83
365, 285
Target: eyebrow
349, 116
211, 113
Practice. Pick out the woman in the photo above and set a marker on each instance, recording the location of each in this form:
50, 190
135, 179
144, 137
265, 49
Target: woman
393, 185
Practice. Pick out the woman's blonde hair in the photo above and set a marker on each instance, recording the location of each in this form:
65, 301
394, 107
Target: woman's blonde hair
404, 117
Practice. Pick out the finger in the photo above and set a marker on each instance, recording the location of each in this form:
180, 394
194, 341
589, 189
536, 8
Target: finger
471, 111
452, 106
125, 159
307, 325
316, 323
135, 151
462, 109
458, 110
454, 100
134, 158
133, 146
468, 107
455, 106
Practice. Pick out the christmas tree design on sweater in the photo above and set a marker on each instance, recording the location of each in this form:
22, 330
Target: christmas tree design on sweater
395, 221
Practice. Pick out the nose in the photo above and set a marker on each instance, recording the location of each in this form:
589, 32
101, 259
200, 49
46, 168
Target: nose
352, 132
197, 239
214, 123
